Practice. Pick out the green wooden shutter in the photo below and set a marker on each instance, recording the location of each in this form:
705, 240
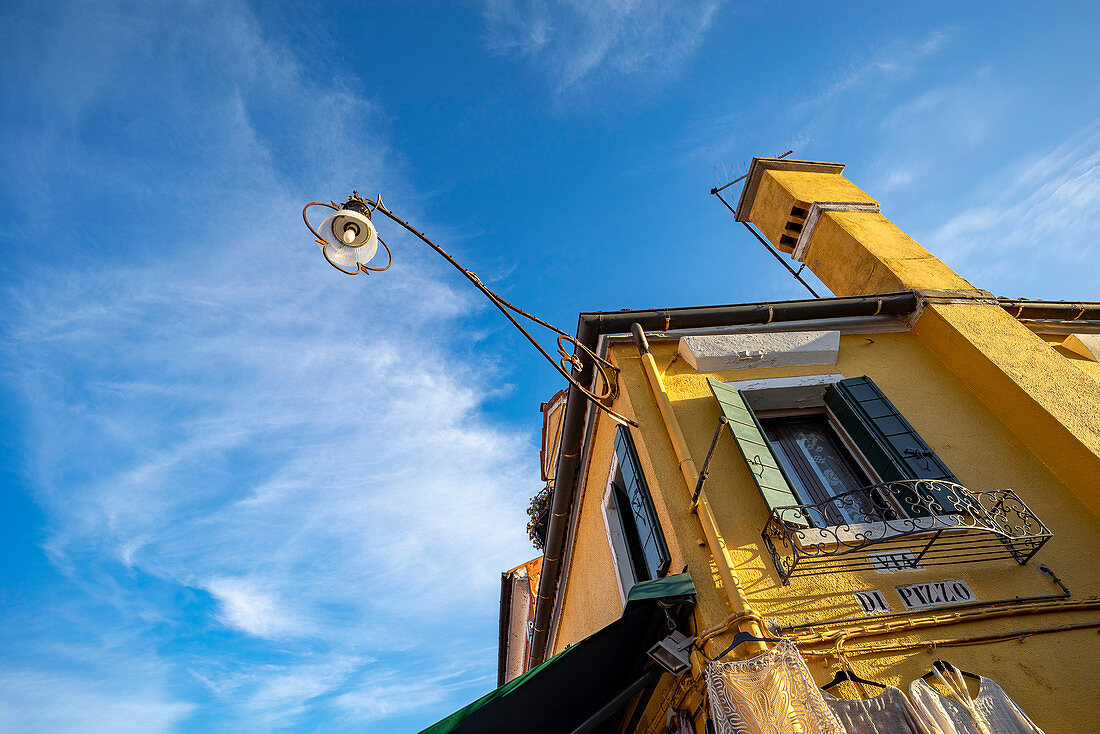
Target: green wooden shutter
771, 480
890, 444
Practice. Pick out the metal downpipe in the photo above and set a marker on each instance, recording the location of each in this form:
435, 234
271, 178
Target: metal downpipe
739, 603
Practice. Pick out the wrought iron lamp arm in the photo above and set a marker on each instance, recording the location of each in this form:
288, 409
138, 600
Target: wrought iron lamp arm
606, 374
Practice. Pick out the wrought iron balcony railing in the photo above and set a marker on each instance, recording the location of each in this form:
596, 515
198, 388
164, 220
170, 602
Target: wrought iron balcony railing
915, 523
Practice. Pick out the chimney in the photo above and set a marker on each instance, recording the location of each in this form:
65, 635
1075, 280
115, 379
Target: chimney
809, 210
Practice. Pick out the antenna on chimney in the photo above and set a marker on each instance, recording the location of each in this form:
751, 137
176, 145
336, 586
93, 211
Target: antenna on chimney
717, 191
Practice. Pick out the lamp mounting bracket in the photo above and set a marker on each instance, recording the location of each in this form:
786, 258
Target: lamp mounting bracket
573, 357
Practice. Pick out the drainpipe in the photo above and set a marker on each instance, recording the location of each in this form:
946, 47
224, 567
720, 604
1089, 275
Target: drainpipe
565, 477
739, 603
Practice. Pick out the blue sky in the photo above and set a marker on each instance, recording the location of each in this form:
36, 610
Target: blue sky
242, 492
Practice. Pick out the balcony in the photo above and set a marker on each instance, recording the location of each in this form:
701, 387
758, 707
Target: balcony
914, 524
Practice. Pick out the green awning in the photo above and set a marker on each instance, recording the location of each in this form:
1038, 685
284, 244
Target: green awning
566, 690
676, 589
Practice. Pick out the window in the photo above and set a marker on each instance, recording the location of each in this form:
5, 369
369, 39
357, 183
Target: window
637, 545
846, 436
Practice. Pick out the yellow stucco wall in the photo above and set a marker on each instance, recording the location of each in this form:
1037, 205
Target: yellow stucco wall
1088, 366
978, 446
1002, 406
1044, 398
778, 191
591, 595
982, 452
838, 257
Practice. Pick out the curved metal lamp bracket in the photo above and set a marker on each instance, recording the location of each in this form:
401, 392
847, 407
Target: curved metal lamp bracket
605, 378
368, 269
305, 218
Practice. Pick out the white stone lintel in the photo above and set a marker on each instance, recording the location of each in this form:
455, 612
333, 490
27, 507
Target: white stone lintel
786, 393
716, 352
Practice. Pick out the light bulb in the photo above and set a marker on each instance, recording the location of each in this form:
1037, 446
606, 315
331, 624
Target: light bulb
351, 231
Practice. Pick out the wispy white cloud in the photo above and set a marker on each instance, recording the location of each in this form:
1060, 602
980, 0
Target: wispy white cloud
823, 104
963, 109
212, 408
386, 695
33, 701
254, 611
578, 44
1031, 215
891, 64
520, 27
927, 133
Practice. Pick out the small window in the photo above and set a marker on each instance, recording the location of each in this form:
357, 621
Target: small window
636, 540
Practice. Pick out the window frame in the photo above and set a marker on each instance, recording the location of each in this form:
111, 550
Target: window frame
778, 432
623, 557
808, 392
852, 450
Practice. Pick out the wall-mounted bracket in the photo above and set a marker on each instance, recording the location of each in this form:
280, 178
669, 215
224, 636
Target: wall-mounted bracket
706, 462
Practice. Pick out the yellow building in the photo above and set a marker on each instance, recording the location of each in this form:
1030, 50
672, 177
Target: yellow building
903, 473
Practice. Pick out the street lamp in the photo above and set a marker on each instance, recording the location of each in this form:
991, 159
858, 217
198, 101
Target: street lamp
349, 241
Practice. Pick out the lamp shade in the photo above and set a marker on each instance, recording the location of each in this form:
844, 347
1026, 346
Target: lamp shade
350, 239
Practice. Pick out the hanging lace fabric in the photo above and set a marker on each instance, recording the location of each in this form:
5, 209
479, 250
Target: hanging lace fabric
989, 712
887, 713
771, 693
890, 712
